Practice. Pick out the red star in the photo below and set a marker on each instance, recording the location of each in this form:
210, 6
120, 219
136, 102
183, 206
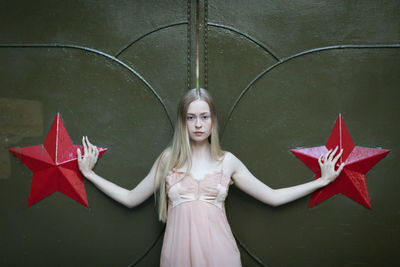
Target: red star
54, 166
358, 161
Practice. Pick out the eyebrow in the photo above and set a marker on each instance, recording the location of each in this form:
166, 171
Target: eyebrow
195, 114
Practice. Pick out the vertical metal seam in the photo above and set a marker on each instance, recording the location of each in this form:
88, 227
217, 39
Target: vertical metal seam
189, 44
197, 43
206, 44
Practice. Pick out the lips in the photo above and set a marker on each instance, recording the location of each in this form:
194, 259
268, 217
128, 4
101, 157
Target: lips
198, 133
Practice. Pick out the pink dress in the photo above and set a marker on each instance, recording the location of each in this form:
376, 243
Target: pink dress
197, 232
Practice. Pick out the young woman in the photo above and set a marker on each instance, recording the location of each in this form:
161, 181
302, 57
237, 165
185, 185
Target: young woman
192, 178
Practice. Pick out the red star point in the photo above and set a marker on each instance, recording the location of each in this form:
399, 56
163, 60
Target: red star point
54, 165
358, 161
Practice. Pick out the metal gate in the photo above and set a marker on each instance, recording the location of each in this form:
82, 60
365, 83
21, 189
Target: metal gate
280, 72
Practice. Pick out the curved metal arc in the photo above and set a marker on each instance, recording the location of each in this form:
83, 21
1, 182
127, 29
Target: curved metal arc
148, 33
284, 60
98, 53
247, 250
263, 46
138, 260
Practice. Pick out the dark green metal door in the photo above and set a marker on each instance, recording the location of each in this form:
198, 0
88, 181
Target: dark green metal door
280, 71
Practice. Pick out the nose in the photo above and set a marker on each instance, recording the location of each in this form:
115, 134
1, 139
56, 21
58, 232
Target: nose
198, 123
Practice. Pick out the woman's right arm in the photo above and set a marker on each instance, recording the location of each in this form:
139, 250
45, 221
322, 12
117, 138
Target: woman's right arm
128, 198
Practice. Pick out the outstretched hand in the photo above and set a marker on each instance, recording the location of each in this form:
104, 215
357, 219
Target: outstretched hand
327, 164
87, 162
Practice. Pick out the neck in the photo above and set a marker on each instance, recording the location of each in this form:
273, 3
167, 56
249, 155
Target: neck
200, 150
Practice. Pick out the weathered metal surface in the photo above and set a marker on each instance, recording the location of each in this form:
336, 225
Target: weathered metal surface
281, 72
269, 64
289, 108
72, 60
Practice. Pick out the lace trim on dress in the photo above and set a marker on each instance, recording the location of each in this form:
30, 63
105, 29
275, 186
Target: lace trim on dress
181, 190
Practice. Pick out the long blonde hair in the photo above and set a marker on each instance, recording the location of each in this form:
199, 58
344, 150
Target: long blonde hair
179, 152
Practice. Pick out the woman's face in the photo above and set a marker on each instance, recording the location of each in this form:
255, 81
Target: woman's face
198, 121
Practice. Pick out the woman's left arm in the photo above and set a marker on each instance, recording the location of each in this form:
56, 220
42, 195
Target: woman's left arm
245, 181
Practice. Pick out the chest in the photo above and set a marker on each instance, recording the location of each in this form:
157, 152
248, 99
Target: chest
200, 170
183, 188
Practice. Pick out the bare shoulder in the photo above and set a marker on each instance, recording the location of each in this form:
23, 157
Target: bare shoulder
231, 163
230, 158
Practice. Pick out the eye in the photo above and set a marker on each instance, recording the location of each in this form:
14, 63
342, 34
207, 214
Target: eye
205, 117
189, 118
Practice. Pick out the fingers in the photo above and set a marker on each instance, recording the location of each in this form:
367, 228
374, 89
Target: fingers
90, 146
78, 151
337, 156
327, 155
330, 157
320, 160
327, 163
85, 146
330, 154
339, 170
333, 153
